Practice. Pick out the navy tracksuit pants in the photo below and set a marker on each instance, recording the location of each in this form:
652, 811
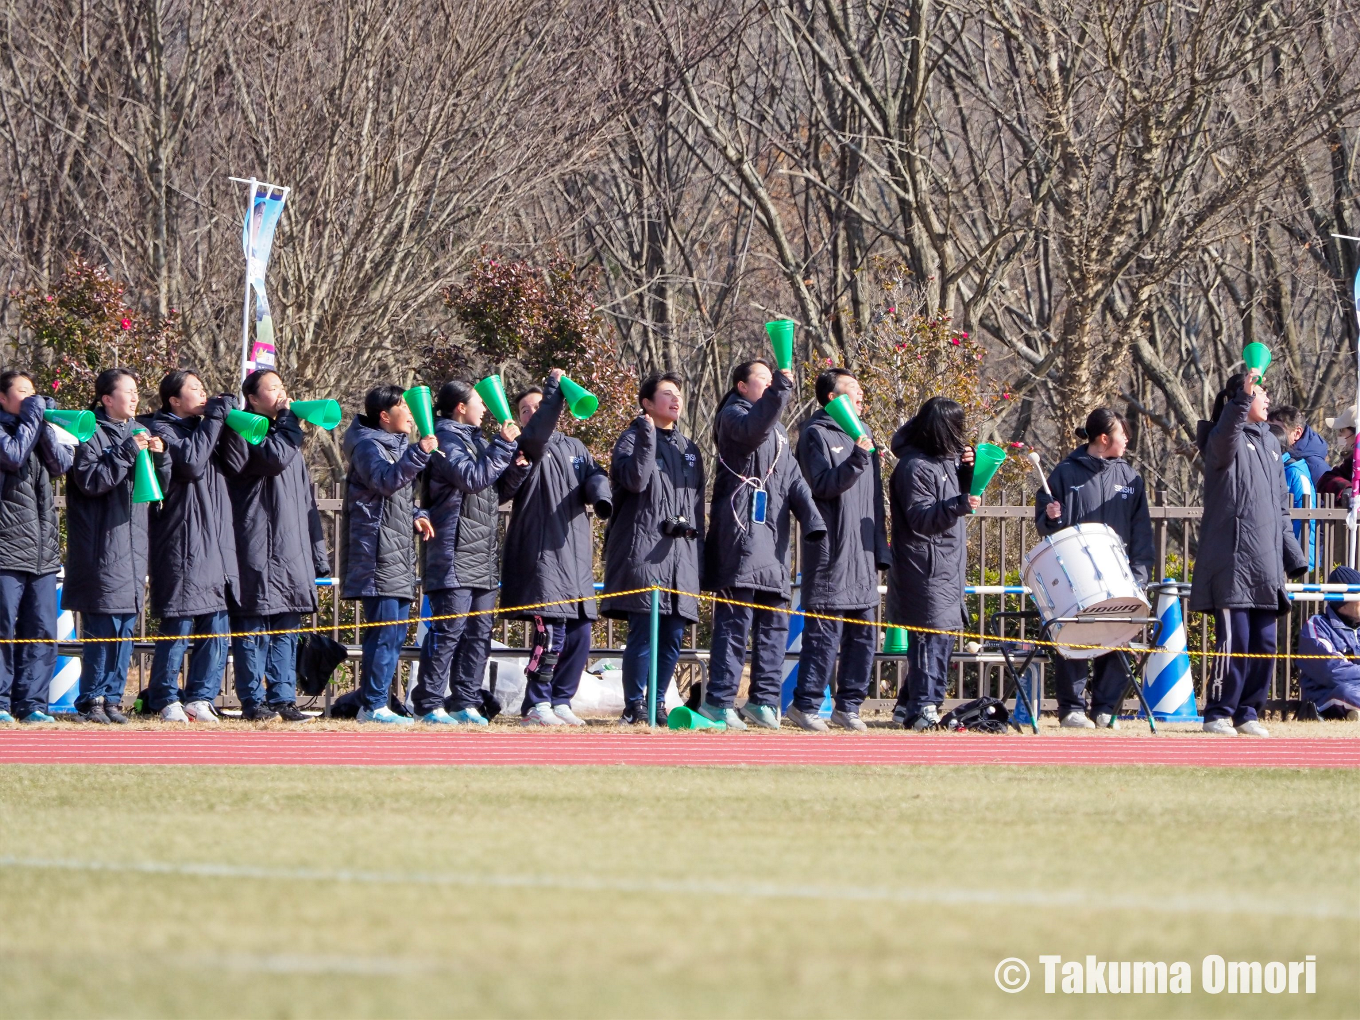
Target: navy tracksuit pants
768, 629
822, 640
927, 671
1107, 689
1237, 687
28, 609
454, 653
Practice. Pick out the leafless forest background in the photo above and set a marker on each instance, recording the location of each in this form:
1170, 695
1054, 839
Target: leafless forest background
1111, 197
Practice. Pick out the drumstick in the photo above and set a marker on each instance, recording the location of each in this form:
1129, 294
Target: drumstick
1033, 458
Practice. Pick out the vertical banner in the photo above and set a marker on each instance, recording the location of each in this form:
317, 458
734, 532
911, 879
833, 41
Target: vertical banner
263, 209
1351, 517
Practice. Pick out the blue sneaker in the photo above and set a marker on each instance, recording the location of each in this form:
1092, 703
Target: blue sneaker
5, 717
469, 717
38, 717
439, 718
385, 715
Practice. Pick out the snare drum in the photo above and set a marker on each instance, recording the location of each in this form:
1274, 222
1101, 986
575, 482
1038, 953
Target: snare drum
1084, 572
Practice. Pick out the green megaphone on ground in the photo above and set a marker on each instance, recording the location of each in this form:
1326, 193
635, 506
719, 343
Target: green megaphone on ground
986, 459
580, 401
146, 487
322, 413
492, 392
1257, 358
843, 413
781, 339
421, 403
683, 718
80, 424
895, 641
250, 427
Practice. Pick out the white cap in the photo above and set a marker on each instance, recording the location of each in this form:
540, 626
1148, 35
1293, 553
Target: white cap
1344, 420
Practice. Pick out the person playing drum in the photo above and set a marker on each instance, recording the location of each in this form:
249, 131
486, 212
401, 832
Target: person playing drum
1095, 485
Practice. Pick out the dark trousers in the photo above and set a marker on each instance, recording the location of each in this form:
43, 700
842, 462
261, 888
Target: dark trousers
381, 648
768, 629
104, 664
454, 653
262, 659
822, 639
200, 636
927, 671
556, 661
1237, 687
1107, 689
637, 654
28, 609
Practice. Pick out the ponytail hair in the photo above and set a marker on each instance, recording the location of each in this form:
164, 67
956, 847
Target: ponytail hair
740, 374
451, 394
1231, 388
1101, 422
106, 382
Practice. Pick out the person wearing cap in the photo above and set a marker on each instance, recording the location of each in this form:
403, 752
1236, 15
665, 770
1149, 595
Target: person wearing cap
1337, 481
1246, 549
1329, 650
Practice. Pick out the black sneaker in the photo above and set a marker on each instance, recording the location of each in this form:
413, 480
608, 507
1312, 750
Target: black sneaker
94, 712
661, 717
289, 712
634, 713
113, 710
258, 713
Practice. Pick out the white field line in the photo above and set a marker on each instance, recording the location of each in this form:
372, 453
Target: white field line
995, 897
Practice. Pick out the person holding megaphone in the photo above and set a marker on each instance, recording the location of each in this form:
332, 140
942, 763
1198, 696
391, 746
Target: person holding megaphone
30, 553
460, 567
280, 550
193, 550
106, 544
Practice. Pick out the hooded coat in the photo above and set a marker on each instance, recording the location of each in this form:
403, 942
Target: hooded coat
1312, 450
193, 545
1331, 682
1100, 490
280, 544
549, 549
462, 494
928, 499
655, 474
1246, 540
106, 533
30, 457
841, 571
753, 453
378, 534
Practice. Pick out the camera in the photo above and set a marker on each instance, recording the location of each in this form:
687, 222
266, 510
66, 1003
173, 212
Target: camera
678, 527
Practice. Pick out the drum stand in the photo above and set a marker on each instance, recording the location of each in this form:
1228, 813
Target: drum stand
996, 621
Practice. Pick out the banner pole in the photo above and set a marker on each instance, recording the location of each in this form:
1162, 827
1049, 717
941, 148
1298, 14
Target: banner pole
651, 658
245, 301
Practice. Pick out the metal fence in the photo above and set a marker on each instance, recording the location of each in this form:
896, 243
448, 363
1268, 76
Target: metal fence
999, 538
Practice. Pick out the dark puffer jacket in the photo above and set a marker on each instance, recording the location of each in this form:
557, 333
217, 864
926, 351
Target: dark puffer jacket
378, 535
841, 571
30, 457
655, 474
280, 544
549, 552
753, 451
106, 533
1246, 541
462, 494
193, 546
1097, 490
929, 502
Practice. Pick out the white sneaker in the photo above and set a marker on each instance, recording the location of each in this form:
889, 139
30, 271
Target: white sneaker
201, 711
569, 717
1104, 720
899, 715
1252, 728
848, 720
174, 712
542, 714
1077, 721
810, 721
1220, 726
927, 720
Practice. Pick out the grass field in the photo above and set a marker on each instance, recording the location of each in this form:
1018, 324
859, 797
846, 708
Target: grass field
796, 891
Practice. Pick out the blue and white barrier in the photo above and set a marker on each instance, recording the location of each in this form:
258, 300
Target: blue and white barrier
65, 685
1167, 684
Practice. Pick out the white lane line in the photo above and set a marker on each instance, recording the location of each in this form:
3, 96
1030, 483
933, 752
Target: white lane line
1052, 898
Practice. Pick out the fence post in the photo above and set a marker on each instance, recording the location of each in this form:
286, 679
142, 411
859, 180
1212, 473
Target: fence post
651, 657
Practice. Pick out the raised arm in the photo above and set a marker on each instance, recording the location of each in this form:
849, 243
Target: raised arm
634, 460
534, 439
825, 477
56, 457
383, 476
15, 449
741, 431
468, 473
1223, 437
281, 446
190, 455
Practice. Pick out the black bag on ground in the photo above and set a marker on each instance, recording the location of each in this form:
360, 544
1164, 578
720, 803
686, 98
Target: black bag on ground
982, 715
318, 656
347, 705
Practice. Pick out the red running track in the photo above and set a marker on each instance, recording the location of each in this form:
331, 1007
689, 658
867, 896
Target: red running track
141, 747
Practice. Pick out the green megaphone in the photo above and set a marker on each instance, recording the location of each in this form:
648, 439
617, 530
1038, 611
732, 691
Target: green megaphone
986, 459
580, 401
843, 413
1257, 359
322, 413
895, 641
421, 403
492, 392
781, 339
683, 718
146, 487
250, 427
80, 424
